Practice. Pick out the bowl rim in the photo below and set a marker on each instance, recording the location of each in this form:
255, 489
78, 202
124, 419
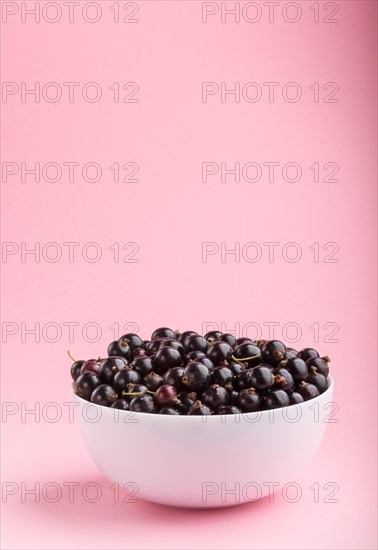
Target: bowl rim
199, 418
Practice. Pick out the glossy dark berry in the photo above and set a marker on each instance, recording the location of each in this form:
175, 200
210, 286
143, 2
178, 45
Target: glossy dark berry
223, 376
229, 409
235, 367
169, 410
194, 356
166, 395
307, 391
132, 340
297, 368
163, 332
219, 353
109, 367
186, 401
167, 358
212, 335
120, 404
125, 377
215, 396
247, 353
248, 400
85, 384
206, 361
307, 353
143, 365
283, 380
229, 338
92, 365
295, 398
275, 399
139, 352
317, 380
320, 364
182, 337
196, 376
200, 409
119, 349
153, 381
262, 378
243, 380
104, 395
273, 352
243, 340
195, 343
142, 403
174, 376
175, 344
76, 369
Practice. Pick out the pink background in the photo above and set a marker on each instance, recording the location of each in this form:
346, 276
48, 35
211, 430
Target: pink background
169, 213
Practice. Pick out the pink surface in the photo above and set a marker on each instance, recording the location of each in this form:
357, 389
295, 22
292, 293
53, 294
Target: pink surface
168, 214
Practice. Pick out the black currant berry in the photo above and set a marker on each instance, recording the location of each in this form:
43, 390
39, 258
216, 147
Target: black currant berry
248, 400
194, 356
273, 352
229, 338
166, 395
243, 340
186, 401
243, 380
297, 368
92, 365
195, 343
142, 403
215, 396
283, 380
85, 384
248, 354
260, 343
167, 358
320, 364
275, 399
174, 376
76, 369
262, 378
199, 409
223, 376
119, 348
153, 381
307, 391
139, 352
182, 337
109, 367
132, 340
143, 365
163, 332
196, 376
235, 367
295, 398
104, 395
317, 380
212, 336
219, 353
120, 404
307, 353
125, 377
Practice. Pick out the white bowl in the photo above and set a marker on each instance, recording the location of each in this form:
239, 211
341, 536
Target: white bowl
204, 462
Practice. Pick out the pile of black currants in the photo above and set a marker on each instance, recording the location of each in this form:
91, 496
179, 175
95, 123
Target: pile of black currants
189, 374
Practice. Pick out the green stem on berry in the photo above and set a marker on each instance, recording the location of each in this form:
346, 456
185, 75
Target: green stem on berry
244, 358
70, 356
